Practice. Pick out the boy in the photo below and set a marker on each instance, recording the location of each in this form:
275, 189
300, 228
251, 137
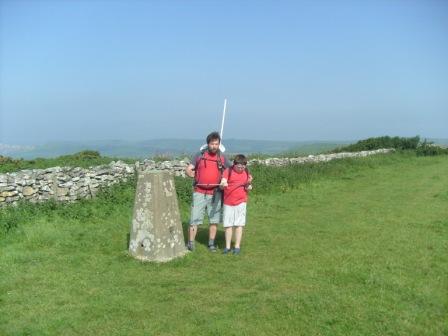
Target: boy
236, 182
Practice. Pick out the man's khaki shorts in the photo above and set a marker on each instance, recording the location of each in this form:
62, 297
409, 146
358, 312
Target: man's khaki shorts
203, 202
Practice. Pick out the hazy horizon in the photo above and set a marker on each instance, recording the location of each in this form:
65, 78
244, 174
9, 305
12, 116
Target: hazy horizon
59, 141
291, 70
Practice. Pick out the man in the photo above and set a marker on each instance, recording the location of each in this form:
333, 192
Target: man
206, 168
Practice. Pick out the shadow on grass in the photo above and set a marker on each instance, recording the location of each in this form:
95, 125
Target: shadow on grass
202, 234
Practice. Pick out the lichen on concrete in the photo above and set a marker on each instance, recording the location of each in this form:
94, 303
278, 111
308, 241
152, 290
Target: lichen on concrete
156, 230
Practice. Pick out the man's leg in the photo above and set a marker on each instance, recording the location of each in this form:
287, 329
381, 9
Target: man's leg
193, 229
214, 208
213, 228
196, 218
211, 237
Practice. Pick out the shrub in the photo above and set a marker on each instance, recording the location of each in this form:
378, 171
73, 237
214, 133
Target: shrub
381, 142
430, 149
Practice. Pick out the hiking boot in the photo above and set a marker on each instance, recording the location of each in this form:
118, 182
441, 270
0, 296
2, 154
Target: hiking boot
236, 251
190, 246
226, 251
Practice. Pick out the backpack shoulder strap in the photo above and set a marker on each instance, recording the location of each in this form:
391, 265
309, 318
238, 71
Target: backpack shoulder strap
230, 172
198, 157
220, 163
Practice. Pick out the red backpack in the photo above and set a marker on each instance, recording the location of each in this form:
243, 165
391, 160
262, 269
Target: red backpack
218, 161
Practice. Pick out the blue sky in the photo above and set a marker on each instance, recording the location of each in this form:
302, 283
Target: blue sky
291, 70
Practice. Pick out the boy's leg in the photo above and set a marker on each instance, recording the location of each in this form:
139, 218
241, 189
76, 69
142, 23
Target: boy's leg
228, 232
238, 235
228, 226
240, 222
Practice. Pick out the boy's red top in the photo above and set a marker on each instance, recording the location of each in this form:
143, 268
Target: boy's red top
235, 193
207, 171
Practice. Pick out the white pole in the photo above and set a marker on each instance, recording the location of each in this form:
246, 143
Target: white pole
223, 117
221, 146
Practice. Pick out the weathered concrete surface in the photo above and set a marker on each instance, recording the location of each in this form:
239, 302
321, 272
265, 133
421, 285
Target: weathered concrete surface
156, 229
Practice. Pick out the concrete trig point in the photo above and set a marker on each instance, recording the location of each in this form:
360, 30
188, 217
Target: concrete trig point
156, 229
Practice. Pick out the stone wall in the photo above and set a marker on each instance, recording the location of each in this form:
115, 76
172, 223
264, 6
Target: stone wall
319, 158
70, 184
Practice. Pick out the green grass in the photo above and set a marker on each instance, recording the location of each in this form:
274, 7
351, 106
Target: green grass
350, 247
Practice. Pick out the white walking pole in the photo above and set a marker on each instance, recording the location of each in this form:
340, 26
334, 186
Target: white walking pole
221, 146
223, 118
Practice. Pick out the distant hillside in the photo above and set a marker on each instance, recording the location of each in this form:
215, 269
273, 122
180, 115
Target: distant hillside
169, 147
443, 142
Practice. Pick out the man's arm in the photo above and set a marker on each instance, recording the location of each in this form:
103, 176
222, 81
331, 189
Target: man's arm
189, 170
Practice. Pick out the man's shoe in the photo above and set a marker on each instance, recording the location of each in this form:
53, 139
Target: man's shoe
236, 251
212, 248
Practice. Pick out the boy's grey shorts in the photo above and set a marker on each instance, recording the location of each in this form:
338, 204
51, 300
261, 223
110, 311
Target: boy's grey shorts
202, 202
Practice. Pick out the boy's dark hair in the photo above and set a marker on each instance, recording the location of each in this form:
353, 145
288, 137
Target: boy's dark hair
213, 136
240, 159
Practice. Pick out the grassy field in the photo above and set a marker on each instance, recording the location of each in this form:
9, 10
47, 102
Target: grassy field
349, 247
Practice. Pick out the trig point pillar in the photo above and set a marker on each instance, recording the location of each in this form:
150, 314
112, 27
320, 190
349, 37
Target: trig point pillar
156, 229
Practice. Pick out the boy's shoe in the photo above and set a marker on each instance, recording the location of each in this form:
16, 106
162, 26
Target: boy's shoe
212, 248
236, 251
226, 251
190, 246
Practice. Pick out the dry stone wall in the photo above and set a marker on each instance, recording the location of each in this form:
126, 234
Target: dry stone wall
70, 184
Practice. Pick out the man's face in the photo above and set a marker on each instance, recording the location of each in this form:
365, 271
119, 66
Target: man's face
213, 146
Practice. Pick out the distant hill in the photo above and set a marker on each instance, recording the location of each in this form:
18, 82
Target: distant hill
443, 142
168, 147
173, 147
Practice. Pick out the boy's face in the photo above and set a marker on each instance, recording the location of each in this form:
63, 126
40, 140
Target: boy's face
239, 168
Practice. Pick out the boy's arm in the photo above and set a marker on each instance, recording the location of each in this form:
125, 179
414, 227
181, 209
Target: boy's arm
250, 179
225, 175
223, 183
